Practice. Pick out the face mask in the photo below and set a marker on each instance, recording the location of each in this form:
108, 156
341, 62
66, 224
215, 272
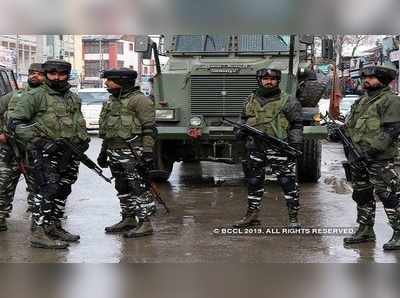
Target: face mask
268, 92
57, 85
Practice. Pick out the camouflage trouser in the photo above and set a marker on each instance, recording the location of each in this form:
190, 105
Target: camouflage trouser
283, 167
380, 176
52, 186
9, 178
134, 192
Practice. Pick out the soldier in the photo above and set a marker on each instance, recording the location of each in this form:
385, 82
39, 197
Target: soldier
56, 111
9, 171
279, 115
128, 114
374, 126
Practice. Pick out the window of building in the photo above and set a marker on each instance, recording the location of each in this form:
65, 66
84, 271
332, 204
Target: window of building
93, 47
120, 47
93, 68
131, 47
4, 44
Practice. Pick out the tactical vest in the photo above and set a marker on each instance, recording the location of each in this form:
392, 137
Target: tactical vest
63, 118
364, 122
117, 120
270, 117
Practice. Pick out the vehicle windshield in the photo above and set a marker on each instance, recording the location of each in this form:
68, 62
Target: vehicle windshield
93, 97
224, 44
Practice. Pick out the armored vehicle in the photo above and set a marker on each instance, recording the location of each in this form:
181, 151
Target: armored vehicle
209, 77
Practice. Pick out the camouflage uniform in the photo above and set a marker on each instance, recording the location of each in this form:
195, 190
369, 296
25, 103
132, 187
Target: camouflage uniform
374, 125
278, 115
9, 172
58, 113
124, 116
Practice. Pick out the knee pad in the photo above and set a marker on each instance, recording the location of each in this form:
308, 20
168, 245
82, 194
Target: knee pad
362, 197
388, 199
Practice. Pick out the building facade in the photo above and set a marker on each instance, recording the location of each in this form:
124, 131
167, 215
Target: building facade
104, 52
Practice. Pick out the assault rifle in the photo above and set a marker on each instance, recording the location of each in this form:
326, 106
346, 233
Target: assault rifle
77, 152
146, 174
269, 141
348, 146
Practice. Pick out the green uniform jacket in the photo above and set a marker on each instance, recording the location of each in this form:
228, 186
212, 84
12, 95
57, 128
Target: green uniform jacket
279, 116
58, 113
129, 115
368, 118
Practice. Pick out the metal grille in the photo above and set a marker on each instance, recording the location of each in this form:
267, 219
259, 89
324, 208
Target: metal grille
220, 94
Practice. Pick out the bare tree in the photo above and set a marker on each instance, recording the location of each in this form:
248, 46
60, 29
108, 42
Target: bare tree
355, 41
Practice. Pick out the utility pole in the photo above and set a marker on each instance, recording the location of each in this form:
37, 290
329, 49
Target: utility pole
61, 47
17, 58
101, 59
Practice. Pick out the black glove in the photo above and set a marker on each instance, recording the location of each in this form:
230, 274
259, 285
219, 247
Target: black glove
46, 145
84, 145
251, 144
102, 159
240, 135
148, 160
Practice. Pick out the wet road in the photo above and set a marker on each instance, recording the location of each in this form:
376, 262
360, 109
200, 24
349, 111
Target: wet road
203, 197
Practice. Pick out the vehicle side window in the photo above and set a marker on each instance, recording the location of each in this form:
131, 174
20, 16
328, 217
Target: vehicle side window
6, 82
13, 81
3, 87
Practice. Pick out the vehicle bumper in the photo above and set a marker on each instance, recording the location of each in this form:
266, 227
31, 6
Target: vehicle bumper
226, 133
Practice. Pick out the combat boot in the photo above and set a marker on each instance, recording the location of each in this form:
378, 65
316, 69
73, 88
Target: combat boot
127, 223
293, 220
394, 242
3, 224
57, 232
144, 228
365, 233
251, 218
394, 220
41, 240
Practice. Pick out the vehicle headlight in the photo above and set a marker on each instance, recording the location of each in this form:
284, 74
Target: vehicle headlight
165, 114
195, 121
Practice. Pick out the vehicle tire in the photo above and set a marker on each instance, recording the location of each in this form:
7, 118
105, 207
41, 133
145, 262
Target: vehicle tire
309, 165
311, 92
164, 165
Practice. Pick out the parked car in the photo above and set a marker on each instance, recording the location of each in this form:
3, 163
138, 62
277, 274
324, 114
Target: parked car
92, 102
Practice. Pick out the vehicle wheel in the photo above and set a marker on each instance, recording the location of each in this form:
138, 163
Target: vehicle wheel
164, 165
309, 165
